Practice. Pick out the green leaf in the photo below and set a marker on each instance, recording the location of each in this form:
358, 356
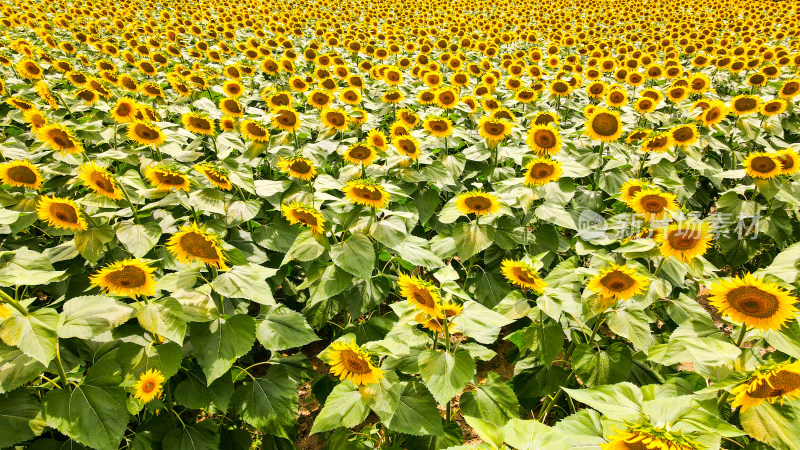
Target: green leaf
220, 342
384, 396
22, 418
494, 401
487, 431
138, 239
164, 317
607, 366
621, 401
17, 368
545, 342
451, 437
787, 339
632, 323
480, 323
344, 407
416, 251
283, 328
246, 282
785, 265
365, 295
445, 375
416, 412
90, 242
136, 360
533, 435
95, 416
355, 256
269, 402
200, 436
34, 334
304, 248
195, 392
471, 238
90, 316
773, 424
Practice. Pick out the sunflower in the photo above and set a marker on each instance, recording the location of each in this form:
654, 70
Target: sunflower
745, 104
29, 69
149, 385
774, 107
192, 244
298, 84
35, 118
366, 192
350, 96
544, 139
305, 215
653, 204
771, 383
637, 135
43, 91
644, 436
436, 324
230, 107
19, 103
685, 241
360, 153
215, 176
164, 179
58, 137
617, 98
522, 275
790, 162
540, 171
377, 139
298, 167
335, 119
618, 282
604, 125
446, 98
762, 165
421, 294
754, 302
130, 278
125, 110
358, 117
657, 143
683, 135
478, 203
285, 119
789, 89
20, 173
227, 123
392, 97
198, 123
438, 126
320, 99
233, 88
99, 180
544, 118
278, 99
629, 189
60, 213
645, 105
713, 114
254, 131
493, 130
350, 362
144, 133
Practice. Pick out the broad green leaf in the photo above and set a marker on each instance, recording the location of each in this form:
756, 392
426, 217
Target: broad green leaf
487, 431
631, 323
785, 265
416, 412
544, 342
200, 436
355, 256
22, 419
344, 407
90, 242
304, 248
480, 323
282, 328
492, 401
17, 368
471, 239
196, 393
450, 437
532, 435
95, 416
787, 339
165, 318
621, 401
34, 334
269, 402
219, 343
445, 375
384, 396
136, 360
773, 424
608, 366
246, 282
90, 316
138, 238
417, 252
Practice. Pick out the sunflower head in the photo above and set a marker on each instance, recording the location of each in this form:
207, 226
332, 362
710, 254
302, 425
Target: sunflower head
99, 180
125, 110
20, 173
407, 145
685, 240
254, 131
763, 165
544, 139
350, 362
653, 204
774, 107
145, 133
775, 382
745, 104
334, 119
298, 167
438, 126
130, 278
193, 244
198, 123
377, 139
421, 294
215, 176
165, 179
58, 137
286, 119
644, 436
630, 188
60, 213
493, 129
790, 161
753, 302
306, 215
540, 171
360, 153
618, 282
523, 275
478, 203
683, 135
149, 385
604, 125
366, 192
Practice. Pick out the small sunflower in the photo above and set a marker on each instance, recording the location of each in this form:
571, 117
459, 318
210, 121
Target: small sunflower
125, 110
99, 180
305, 215
350, 96
772, 383
215, 176
149, 385
144, 133
165, 179
629, 189
478, 203
790, 161
493, 130
544, 139
286, 119
438, 126
298, 167
436, 324
774, 107
762, 165
713, 114
522, 275
653, 204
130, 278
35, 118
254, 131
193, 244
604, 125
644, 436
198, 123
230, 107
60, 213
20, 173
657, 143
618, 282
407, 145
29, 69
360, 153
683, 135
685, 241
753, 302
540, 171
745, 104
366, 192
58, 137
335, 119
421, 294
350, 362
377, 139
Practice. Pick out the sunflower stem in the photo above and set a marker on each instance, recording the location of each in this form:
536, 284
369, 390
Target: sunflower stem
60, 367
742, 333
13, 302
168, 394
658, 268
130, 203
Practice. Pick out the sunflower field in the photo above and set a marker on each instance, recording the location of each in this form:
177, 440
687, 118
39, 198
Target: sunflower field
383, 224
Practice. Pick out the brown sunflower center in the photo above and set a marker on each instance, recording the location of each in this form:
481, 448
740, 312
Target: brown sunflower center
425, 97
542, 170
394, 95
22, 174
61, 138
447, 98
145, 132
129, 277
525, 95
286, 118
407, 146
772, 107
320, 98
86, 95
778, 383
617, 281
305, 217
197, 245
544, 138
232, 106
478, 203
280, 100
757, 79
753, 302
645, 104
494, 128
336, 118
658, 142
683, 134
596, 89
605, 124
365, 193
635, 136
745, 104
438, 125
124, 109
787, 162
354, 363
524, 275
560, 87
360, 152
712, 114
763, 164
423, 297
683, 239
633, 190
200, 123
790, 88
256, 130
300, 166
32, 68
148, 386
616, 97
64, 212
169, 178
234, 89
102, 182
653, 203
